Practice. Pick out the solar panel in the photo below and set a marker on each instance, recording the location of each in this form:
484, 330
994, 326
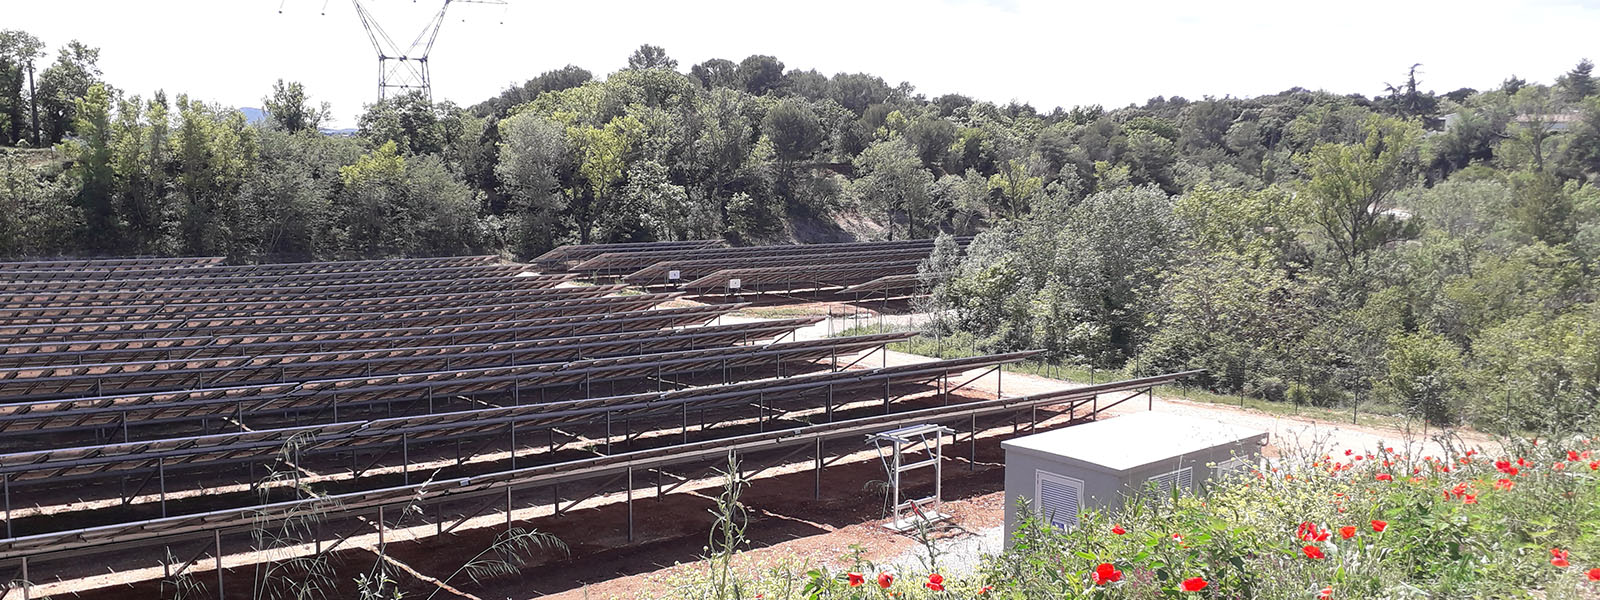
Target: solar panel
821, 275
155, 348
329, 321
62, 381
622, 263
326, 397
563, 256
693, 269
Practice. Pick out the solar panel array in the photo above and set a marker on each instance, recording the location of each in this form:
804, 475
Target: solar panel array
143, 400
890, 267
117, 372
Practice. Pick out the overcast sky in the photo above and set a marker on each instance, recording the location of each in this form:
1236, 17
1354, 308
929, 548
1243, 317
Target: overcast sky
1046, 53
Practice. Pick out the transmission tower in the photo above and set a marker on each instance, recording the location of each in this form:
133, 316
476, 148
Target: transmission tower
401, 69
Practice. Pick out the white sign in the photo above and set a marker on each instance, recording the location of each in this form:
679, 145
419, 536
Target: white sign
674, 275
733, 284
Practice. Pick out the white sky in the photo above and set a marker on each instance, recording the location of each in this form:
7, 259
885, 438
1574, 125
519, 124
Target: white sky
1060, 53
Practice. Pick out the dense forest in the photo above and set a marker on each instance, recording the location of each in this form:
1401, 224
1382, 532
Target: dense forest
1435, 252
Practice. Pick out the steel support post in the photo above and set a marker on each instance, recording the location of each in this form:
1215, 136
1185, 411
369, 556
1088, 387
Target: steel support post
630, 503
816, 486
161, 476
216, 536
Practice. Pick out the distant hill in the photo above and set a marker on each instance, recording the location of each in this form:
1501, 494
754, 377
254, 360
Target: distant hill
253, 115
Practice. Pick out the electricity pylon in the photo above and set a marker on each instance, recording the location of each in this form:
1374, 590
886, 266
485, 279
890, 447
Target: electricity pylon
404, 69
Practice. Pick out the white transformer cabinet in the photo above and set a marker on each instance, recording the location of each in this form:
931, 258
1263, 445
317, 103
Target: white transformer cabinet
1098, 465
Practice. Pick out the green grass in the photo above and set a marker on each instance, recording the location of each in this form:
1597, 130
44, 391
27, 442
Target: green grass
782, 312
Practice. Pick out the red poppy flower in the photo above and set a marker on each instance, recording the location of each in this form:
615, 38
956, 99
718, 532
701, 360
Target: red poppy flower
1522, 462
1193, 584
1560, 466
1378, 526
1325, 594
1106, 573
986, 589
885, 580
855, 579
1348, 452
1594, 466
1308, 532
1313, 552
1594, 574
1469, 499
1347, 532
1502, 466
1504, 484
1117, 529
935, 582
1558, 557
1385, 477
1572, 455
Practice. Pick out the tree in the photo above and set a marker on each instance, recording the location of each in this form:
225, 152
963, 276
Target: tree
92, 167
1539, 372
651, 57
18, 50
409, 120
395, 205
60, 85
890, 179
1532, 138
290, 109
1241, 320
660, 204
1351, 187
214, 150
141, 157
716, 73
721, 137
567, 77
1541, 207
1016, 187
794, 130
370, 214
601, 159
293, 189
1408, 100
760, 73
534, 156
1424, 375
37, 214
1579, 83
444, 210
857, 91
932, 137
